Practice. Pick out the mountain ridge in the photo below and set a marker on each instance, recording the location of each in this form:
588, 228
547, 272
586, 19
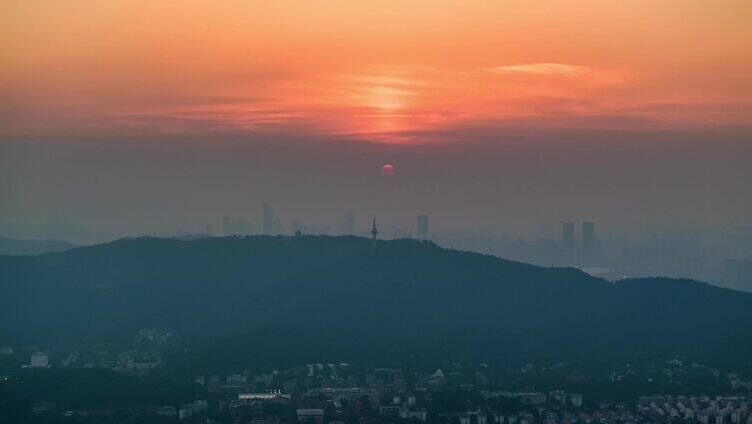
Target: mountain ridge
351, 294
14, 246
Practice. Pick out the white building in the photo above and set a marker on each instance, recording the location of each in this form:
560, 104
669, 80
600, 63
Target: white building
419, 414
315, 415
576, 399
40, 360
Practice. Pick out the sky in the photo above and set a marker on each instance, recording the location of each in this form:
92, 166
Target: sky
633, 114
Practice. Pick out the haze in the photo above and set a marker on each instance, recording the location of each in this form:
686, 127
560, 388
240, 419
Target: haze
133, 117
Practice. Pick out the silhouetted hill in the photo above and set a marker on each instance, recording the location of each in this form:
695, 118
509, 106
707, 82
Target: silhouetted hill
283, 299
11, 246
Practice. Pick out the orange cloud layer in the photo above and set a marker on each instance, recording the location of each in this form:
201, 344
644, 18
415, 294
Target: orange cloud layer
386, 71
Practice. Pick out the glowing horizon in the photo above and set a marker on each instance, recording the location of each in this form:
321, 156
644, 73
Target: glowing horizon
382, 71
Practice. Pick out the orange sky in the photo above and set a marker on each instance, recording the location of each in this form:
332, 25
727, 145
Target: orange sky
383, 70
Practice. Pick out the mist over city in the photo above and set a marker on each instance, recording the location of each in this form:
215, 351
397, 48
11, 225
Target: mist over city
376, 212
682, 211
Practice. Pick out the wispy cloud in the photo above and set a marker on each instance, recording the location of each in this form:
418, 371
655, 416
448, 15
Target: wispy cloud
541, 69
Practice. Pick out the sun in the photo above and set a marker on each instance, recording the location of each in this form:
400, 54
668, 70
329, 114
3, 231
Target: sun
388, 170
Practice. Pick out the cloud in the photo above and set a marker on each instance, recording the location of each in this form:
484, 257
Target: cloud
541, 69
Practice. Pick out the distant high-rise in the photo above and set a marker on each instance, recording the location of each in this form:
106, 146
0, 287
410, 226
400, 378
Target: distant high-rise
588, 242
277, 227
422, 227
349, 227
567, 235
588, 235
297, 226
374, 231
267, 217
226, 226
239, 227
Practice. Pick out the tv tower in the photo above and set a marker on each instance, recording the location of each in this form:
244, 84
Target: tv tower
374, 231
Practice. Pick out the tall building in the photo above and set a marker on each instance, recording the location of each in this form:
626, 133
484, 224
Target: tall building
423, 227
588, 235
349, 227
374, 231
588, 243
267, 217
239, 227
297, 226
567, 235
277, 227
226, 226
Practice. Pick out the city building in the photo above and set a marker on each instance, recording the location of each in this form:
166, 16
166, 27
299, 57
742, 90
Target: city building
310, 415
589, 243
267, 217
423, 227
226, 226
567, 235
265, 396
298, 228
349, 227
419, 414
40, 360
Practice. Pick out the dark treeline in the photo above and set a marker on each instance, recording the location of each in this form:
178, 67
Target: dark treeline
276, 301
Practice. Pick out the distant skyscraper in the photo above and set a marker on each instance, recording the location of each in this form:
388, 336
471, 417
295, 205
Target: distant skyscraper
374, 231
422, 227
240, 227
297, 226
349, 227
567, 235
588, 235
588, 242
226, 226
267, 219
278, 228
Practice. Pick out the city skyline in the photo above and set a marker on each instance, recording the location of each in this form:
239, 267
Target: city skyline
534, 114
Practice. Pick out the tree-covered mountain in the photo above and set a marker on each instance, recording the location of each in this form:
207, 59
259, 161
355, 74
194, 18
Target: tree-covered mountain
12, 246
303, 299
